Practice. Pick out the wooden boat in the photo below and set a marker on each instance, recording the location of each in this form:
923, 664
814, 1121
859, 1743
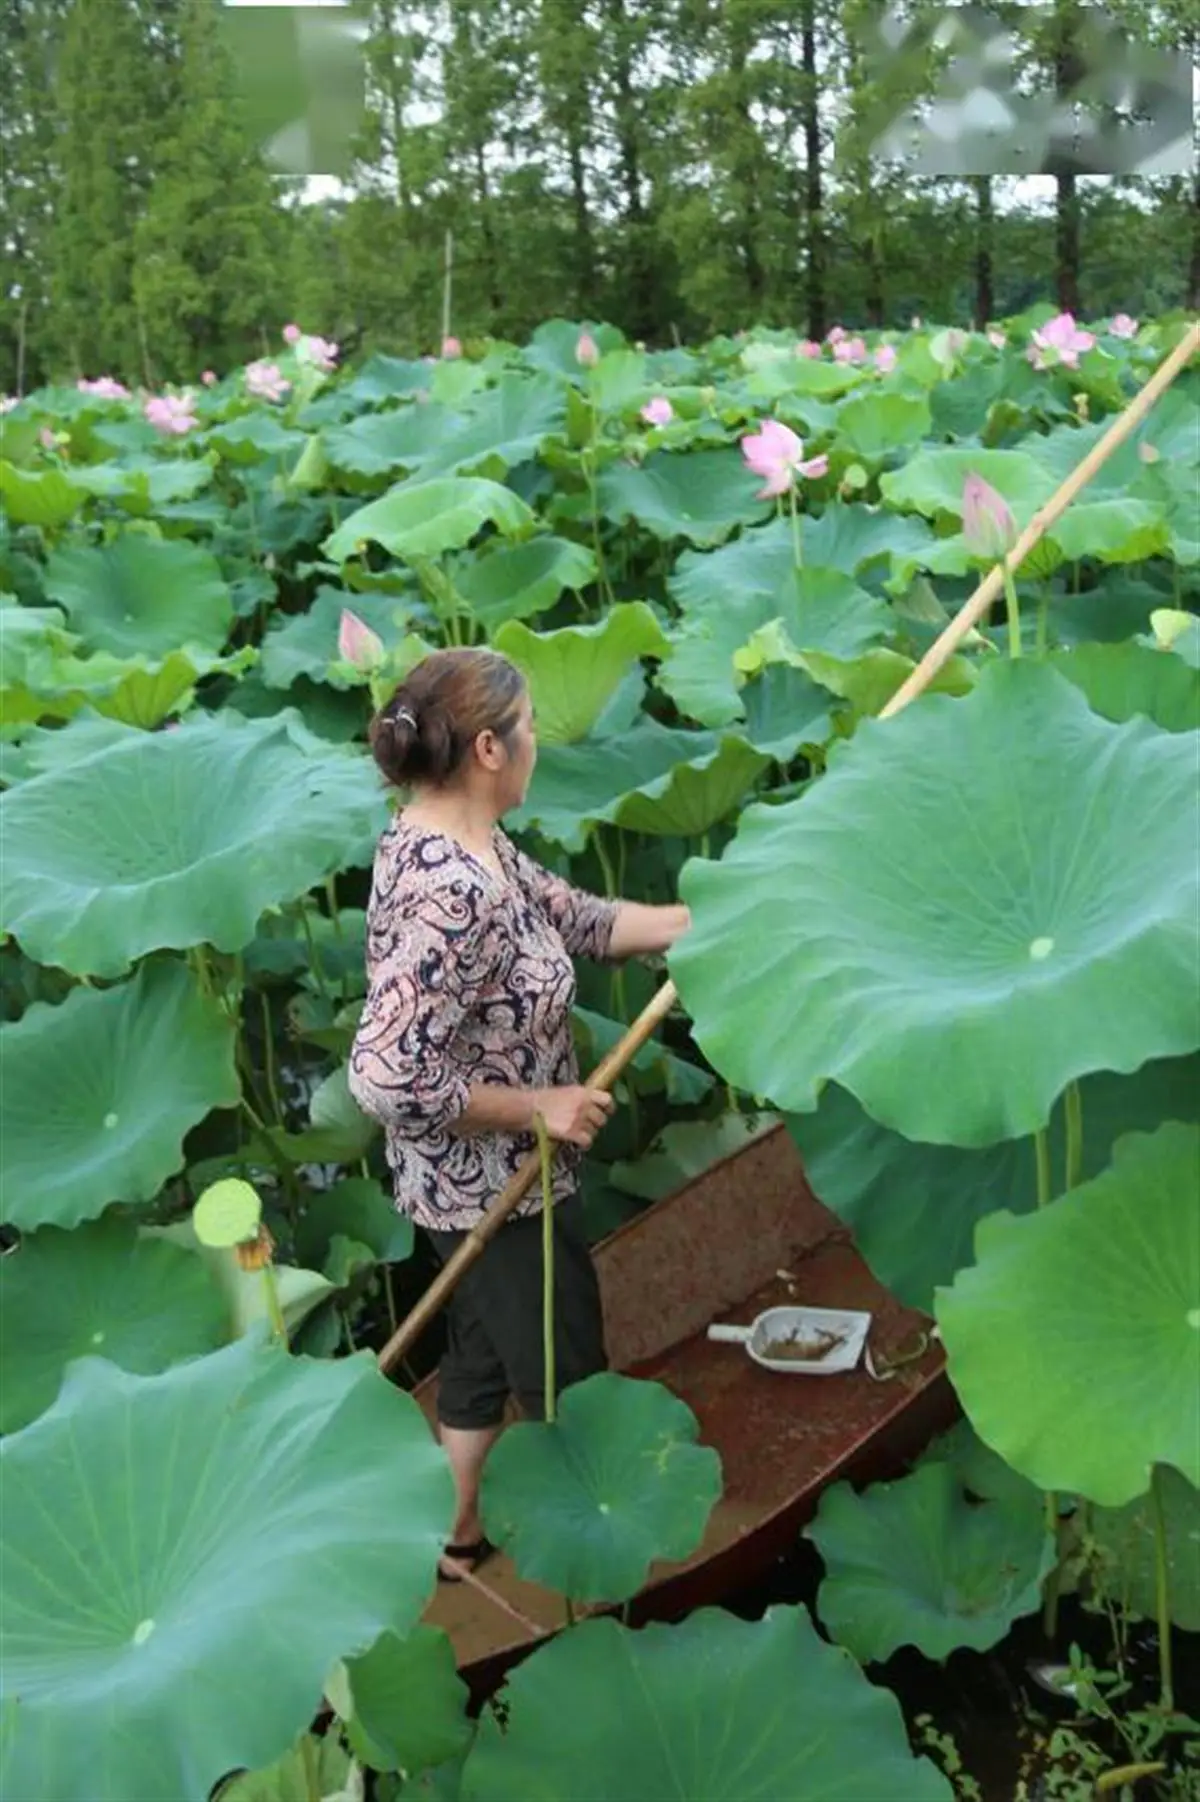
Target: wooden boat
746, 1235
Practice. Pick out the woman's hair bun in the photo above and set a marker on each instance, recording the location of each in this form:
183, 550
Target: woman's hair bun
423, 733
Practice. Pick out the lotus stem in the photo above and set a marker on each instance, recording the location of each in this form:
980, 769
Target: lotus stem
1074, 1110
1013, 611
313, 957
1045, 1182
1042, 643
551, 1399
797, 547
274, 1310
312, 1773
1162, 1593
269, 1058
389, 1294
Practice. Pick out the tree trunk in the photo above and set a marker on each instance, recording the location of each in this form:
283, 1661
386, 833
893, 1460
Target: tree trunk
1193, 287
585, 267
984, 234
1066, 243
813, 198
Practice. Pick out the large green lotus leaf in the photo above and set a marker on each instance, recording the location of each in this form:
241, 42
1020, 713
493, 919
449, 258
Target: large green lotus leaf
383, 378
1120, 530
914, 1563
143, 485
874, 427
516, 581
693, 797
252, 437
576, 786
784, 711
47, 747
423, 519
47, 499
505, 425
932, 481
820, 610
98, 1093
1126, 1543
407, 1702
573, 673
176, 838
585, 1504
358, 1209
140, 594
378, 444
914, 1208
306, 644
33, 641
136, 691
99, 1291
1123, 681
963, 936
852, 537
213, 1540
869, 681
1074, 1340
715, 1709
702, 496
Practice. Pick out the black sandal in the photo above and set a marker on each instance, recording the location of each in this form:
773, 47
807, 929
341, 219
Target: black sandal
475, 1554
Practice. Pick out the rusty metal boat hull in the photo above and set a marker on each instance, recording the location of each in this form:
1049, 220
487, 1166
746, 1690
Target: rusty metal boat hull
746, 1235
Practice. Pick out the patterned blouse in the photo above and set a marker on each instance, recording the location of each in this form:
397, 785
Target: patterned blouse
469, 980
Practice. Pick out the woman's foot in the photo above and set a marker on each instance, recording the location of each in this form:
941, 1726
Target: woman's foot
463, 1556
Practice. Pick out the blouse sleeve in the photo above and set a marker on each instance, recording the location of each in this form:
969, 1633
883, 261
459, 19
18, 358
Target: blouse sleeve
438, 957
584, 922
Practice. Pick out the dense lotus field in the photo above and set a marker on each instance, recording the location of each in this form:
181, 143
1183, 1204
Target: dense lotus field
957, 949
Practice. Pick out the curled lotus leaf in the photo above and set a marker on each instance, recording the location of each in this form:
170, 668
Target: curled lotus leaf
961, 937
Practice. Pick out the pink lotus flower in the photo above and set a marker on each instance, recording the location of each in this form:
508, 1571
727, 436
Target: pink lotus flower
451, 348
808, 347
357, 644
850, 350
1122, 326
46, 438
105, 387
996, 338
988, 526
885, 358
292, 334
209, 378
587, 351
320, 352
264, 381
1148, 453
170, 414
1062, 337
776, 454
835, 334
658, 411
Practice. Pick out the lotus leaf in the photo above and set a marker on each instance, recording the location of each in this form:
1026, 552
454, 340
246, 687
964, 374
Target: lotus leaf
516, 581
713, 1710
408, 1702
504, 425
1123, 681
701, 497
956, 979
177, 838
686, 1149
378, 444
306, 644
206, 1520
876, 427
99, 1291
423, 519
1074, 1340
586, 1503
357, 1208
251, 437
575, 786
915, 1563
914, 1208
99, 1092
324, 1762
932, 481
574, 673
47, 498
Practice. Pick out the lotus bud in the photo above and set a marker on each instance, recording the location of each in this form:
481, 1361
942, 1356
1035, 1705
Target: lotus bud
988, 526
451, 348
357, 644
587, 351
292, 334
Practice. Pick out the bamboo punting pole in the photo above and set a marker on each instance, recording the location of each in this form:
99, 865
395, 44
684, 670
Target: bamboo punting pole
610, 1068
990, 588
447, 1279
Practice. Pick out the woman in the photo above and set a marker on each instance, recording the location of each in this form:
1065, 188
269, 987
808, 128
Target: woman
465, 1037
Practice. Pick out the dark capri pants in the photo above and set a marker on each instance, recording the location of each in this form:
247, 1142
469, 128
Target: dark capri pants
494, 1320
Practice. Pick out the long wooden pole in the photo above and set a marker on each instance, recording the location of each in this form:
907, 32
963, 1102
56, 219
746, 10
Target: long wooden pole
451, 1273
938, 653
972, 611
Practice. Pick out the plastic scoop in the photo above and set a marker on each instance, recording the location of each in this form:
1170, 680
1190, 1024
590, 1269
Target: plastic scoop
815, 1342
